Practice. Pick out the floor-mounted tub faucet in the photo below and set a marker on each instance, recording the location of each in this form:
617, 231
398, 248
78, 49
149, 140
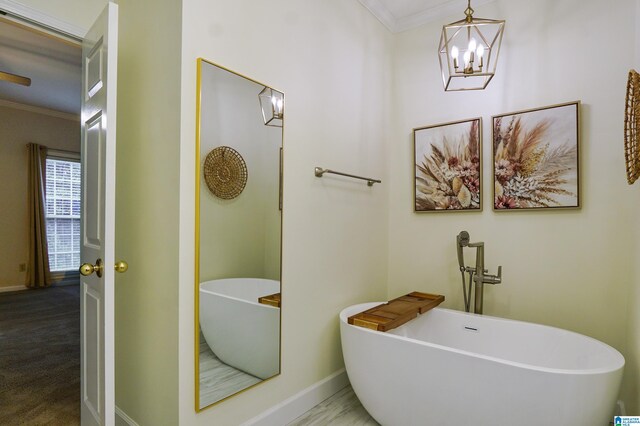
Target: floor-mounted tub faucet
477, 275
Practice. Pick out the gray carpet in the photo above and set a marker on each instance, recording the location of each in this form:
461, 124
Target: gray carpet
40, 357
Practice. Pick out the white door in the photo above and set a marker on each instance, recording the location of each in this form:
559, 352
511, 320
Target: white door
98, 151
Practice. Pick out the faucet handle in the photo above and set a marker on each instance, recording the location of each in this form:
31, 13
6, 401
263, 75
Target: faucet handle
494, 279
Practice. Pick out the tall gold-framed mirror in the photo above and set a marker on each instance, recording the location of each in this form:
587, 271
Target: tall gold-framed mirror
238, 233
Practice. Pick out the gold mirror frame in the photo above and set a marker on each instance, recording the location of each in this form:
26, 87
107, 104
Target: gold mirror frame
278, 205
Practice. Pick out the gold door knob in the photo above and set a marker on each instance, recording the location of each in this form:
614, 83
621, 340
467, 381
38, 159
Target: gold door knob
121, 266
88, 269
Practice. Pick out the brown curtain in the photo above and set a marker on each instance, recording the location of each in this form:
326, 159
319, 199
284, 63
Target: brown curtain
38, 274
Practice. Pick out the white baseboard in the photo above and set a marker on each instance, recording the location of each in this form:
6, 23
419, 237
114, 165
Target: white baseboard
292, 408
123, 420
12, 288
22, 287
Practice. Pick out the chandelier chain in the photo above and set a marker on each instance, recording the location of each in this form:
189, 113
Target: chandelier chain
469, 12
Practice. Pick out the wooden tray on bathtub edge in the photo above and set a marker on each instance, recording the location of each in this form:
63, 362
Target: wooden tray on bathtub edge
271, 300
396, 312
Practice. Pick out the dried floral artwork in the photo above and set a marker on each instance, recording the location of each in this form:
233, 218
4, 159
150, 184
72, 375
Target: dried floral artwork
447, 167
535, 158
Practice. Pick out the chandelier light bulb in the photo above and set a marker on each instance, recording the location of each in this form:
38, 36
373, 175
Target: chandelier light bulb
277, 106
467, 58
480, 53
454, 55
472, 45
472, 49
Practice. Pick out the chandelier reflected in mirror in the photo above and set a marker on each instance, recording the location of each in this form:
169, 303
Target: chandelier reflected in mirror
468, 51
272, 106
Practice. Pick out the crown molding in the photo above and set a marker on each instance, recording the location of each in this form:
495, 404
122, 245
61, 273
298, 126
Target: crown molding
40, 110
381, 12
430, 14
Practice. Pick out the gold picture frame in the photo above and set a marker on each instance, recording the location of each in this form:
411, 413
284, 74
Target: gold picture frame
536, 158
448, 167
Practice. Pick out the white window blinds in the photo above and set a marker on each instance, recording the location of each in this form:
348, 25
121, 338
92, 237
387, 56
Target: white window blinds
63, 214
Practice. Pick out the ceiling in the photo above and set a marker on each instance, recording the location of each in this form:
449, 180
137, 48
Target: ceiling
403, 15
53, 65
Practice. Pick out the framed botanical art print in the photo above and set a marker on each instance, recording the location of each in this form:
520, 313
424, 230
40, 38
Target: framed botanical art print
535, 159
447, 166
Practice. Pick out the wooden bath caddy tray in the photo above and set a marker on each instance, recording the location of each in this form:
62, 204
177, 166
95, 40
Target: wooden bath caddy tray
396, 312
271, 300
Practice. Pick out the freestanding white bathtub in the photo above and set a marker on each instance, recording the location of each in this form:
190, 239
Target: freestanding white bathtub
241, 332
449, 367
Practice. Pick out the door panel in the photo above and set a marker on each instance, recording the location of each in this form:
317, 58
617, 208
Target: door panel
99, 51
91, 386
92, 177
94, 67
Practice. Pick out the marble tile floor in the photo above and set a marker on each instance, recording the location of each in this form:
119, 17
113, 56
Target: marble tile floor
217, 379
343, 409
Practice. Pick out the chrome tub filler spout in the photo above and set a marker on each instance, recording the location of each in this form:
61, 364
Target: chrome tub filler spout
477, 275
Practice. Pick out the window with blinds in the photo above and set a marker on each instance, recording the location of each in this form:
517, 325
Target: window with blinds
63, 213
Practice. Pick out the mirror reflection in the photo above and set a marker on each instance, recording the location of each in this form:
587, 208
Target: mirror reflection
238, 205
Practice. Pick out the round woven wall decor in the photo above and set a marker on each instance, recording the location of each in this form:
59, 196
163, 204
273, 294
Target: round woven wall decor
631, 127
225, 172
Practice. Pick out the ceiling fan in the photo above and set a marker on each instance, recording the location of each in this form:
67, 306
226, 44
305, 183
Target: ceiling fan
14, 78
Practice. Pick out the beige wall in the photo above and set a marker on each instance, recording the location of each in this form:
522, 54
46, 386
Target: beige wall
632, 356
20, 127
331, 58
147, 211
570, 269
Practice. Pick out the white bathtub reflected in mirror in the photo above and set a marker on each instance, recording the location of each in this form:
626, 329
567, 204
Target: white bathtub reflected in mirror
240, 331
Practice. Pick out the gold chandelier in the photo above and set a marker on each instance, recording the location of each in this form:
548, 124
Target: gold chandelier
272, 106
478, 40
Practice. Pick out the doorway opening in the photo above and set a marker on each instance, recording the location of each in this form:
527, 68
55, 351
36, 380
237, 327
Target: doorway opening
39, 328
